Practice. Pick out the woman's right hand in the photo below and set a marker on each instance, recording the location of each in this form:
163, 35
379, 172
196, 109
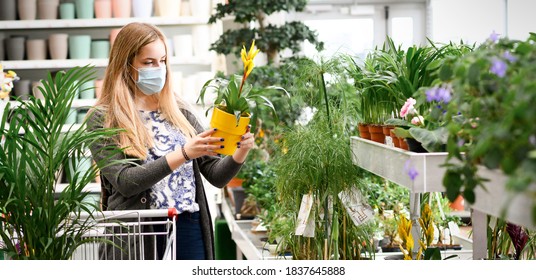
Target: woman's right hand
203, 144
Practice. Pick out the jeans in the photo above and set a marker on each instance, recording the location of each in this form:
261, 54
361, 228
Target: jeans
189, 243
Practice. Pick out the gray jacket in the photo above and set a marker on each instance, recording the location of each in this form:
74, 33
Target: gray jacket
128, 184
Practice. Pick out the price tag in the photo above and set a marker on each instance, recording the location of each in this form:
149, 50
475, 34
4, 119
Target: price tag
359, 211
303, 215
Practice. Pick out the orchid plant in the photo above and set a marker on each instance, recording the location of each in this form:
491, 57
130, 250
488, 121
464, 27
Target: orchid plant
234, 95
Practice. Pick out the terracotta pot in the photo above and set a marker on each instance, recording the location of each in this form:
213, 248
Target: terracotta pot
227, 129
387, 129
403, 144
458, 204
396, 140
376, 133
363, 131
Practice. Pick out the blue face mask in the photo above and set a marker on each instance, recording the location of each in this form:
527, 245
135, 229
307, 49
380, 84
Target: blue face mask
151, 80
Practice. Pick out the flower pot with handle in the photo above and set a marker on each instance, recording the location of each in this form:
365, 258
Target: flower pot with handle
227, 129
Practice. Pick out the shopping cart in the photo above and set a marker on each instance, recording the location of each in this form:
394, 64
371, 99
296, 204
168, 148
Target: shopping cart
129, 235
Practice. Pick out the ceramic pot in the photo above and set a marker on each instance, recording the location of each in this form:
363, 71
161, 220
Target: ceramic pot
36, 49
58, 45
103, 8
15, 48
79, 46
67, 11
168, 8
200, 8
47, 9
98, 87
227, 129
27, 9
84, 8
121, 8
113, 34
87, 90
36, 91
142, 8
100, 49
8, 10
22, 89
201, 40
183, 45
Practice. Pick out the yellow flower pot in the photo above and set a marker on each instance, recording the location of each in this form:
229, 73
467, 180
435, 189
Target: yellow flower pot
227, 129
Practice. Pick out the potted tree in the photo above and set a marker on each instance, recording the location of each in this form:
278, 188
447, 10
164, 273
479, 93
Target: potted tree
271, 38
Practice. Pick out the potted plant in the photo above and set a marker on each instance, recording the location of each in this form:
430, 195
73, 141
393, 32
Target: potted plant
39, 222
232, 111
316, 162
490, 122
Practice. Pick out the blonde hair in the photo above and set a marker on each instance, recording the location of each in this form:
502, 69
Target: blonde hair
118, 88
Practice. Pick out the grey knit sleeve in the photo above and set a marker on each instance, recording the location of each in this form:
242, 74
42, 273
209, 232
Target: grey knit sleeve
128, 177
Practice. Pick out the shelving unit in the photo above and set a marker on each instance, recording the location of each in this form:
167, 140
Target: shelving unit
389, 163
97, 22
248, 243
99, 28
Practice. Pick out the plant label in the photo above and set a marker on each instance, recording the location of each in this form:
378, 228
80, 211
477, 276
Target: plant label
303, 215
359, 211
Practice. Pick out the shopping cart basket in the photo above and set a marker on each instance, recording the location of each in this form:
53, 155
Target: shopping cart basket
130, 235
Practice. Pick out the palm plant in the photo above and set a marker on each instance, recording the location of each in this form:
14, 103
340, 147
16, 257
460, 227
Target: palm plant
38, 222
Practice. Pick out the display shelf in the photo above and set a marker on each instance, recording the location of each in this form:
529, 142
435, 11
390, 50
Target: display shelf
248, 243
392, 163
101, 62
496, 201
97, 22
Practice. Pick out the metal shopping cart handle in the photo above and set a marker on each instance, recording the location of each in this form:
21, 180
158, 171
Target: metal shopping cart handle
144, 213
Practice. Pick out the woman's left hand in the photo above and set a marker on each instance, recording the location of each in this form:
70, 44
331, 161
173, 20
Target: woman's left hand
244, 146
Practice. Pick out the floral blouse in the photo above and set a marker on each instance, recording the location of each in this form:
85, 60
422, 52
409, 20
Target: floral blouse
178, 188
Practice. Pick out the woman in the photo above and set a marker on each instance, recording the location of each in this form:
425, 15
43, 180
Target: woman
169, 147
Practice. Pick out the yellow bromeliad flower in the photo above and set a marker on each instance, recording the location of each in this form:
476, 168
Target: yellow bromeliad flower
427, 224
247, 59
404, 232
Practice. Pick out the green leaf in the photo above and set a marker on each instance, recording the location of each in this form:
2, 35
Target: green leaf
453, 182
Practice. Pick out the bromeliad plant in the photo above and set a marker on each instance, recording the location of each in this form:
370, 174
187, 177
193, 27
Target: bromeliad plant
237, 97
